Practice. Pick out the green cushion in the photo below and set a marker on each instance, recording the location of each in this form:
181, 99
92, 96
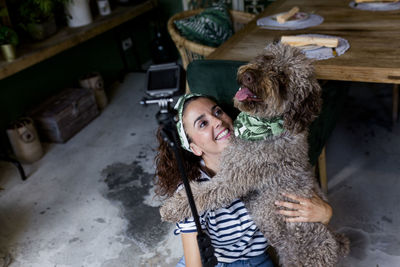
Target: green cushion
211, 27
217, 78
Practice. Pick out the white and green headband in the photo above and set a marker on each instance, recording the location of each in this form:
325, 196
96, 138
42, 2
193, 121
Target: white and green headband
179, 125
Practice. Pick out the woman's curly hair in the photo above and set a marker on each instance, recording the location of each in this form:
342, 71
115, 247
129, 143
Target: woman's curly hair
168, 176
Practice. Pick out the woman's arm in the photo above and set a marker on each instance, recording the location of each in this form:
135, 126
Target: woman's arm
191, 249
306, 210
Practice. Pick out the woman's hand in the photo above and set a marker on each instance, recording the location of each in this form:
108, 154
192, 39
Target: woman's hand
306, 210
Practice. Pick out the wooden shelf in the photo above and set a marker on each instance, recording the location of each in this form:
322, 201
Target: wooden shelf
31, 54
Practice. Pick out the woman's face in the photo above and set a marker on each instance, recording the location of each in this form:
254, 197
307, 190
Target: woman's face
208, 127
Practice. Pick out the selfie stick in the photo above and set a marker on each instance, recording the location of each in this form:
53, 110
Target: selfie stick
165, 119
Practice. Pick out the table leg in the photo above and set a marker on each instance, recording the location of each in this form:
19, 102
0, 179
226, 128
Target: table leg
395, 110
16, 164
323, 179
20, 169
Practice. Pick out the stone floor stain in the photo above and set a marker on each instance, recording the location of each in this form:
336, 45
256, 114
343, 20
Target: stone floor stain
128, 184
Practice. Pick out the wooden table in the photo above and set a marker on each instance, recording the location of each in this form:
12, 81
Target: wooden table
31, 54
374, 37
373, 56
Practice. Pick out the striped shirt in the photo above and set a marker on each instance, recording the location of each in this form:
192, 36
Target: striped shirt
233, 233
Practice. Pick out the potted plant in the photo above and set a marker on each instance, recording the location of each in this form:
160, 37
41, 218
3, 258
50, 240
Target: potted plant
8, 41
37, 17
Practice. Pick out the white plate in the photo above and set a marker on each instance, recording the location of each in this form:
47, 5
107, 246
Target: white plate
379, 4
299, 16
309, 47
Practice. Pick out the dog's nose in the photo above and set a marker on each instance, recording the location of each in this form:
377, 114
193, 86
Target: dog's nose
248, 78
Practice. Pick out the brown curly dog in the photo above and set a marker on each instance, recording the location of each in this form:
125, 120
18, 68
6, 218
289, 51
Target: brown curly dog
279, 83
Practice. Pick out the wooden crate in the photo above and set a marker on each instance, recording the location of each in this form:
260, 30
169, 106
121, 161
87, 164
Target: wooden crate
63, 115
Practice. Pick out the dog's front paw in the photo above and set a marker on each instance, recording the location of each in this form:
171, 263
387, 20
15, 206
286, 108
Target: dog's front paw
166, 212
176, 208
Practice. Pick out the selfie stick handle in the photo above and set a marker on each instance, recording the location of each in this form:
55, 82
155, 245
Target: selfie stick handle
170, 136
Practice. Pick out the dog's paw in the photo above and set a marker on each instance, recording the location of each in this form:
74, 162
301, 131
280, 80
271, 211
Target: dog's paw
166, 212
176, 208
344, 244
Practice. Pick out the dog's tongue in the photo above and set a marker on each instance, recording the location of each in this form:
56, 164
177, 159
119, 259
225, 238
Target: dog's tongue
244, 93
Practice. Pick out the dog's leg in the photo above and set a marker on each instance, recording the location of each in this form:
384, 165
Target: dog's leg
221, 190
177, 207
313, 245
272, 225
285, 237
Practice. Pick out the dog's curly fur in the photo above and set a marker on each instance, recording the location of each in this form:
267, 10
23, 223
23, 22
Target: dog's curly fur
259, 171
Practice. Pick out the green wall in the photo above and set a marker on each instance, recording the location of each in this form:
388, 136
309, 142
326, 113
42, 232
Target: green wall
26, 89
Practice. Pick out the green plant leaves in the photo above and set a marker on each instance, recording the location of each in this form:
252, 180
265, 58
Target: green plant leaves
8, 36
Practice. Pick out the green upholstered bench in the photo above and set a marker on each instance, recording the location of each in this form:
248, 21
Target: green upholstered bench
217, 78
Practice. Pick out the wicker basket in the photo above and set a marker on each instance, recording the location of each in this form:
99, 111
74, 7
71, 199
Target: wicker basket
189, 50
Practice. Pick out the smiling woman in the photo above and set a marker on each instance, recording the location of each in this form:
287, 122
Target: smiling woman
205, 131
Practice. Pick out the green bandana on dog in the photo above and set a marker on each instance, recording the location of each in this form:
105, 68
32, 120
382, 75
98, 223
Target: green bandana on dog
252, 128
179, 125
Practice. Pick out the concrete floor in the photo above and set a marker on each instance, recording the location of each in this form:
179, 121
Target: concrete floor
89, 202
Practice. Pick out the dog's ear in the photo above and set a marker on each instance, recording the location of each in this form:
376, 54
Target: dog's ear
304, 109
